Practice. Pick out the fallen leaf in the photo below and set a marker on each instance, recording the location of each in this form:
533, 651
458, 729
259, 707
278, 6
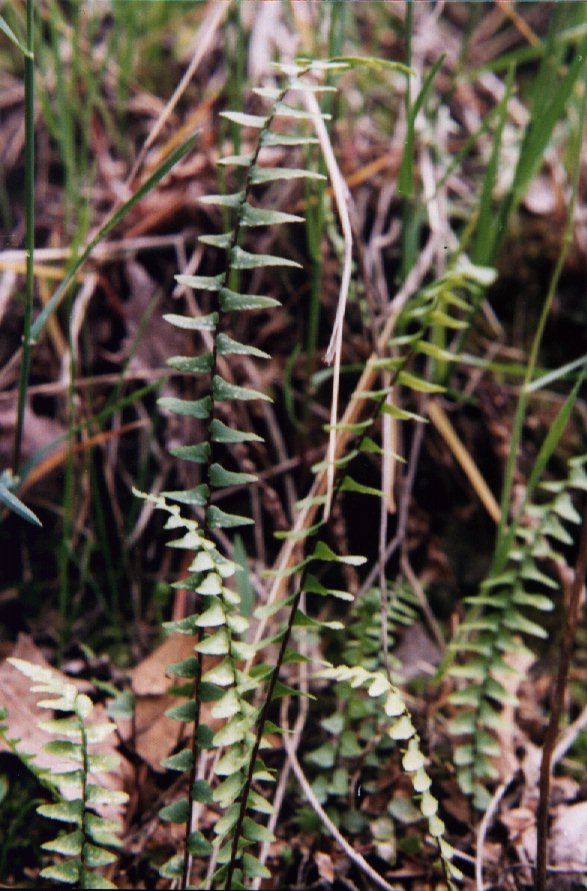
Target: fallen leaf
24, 715
569, 834
149, 677
157, 736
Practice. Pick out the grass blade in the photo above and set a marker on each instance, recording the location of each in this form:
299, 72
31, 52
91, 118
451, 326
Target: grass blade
7, 30
15, 504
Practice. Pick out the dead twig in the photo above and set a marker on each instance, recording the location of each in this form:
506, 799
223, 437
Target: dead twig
334, 350
484, 827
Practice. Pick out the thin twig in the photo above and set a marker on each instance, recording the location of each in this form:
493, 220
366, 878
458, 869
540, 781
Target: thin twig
438, 417
414, 582
387, 487
568, 736
404, 503
203, 40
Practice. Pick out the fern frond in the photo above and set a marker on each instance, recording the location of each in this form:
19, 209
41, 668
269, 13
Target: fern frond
218, 624
496, 624
400, 729
85, 849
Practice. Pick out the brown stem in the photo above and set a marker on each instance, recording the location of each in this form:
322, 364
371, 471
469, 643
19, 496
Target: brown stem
571, 617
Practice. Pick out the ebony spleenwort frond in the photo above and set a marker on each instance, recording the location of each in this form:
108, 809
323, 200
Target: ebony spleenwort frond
85, 848
422, 331
217, 627
492, 630
401, 729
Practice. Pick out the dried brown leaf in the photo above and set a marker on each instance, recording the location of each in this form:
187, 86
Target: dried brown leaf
24, 715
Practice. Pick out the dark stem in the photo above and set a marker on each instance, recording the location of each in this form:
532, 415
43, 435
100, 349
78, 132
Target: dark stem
287, 634
206, 474
566, 650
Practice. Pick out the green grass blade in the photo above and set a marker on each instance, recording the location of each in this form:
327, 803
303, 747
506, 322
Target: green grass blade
575, 154
546, 451
550, 96
9, 499
7, 30
486, 234
406, 174
557, 374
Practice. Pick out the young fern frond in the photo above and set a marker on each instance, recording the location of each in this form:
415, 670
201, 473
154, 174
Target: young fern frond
401, 730
496, 621
85, 848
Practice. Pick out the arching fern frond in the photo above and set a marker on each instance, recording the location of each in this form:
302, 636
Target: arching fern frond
402, 731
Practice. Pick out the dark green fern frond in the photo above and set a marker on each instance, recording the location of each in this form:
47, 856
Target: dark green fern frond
363, 643
218, 625
497, 624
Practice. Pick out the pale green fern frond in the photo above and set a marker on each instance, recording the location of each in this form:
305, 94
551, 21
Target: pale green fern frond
86, 847
401, 730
